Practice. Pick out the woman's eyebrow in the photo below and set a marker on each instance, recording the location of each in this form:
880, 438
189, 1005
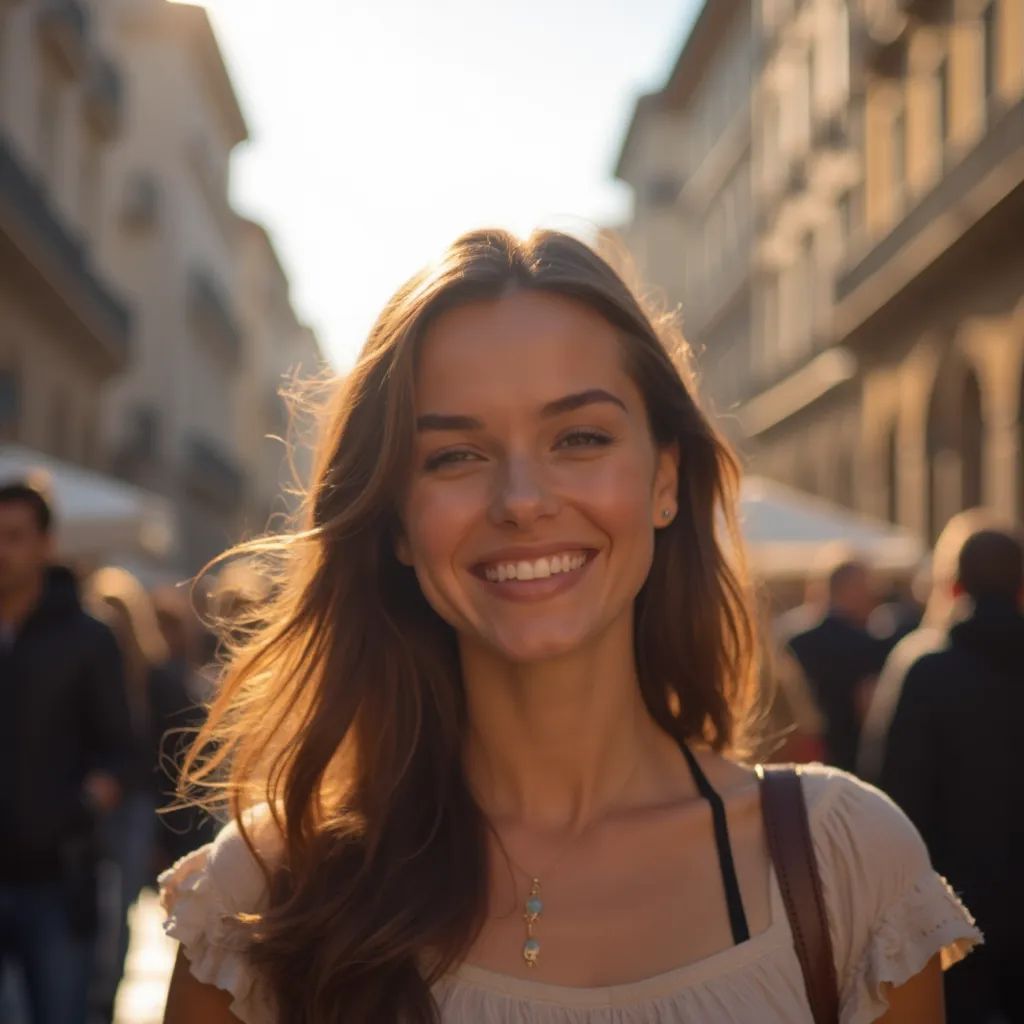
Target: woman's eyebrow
440, 421
576, 401
568, 403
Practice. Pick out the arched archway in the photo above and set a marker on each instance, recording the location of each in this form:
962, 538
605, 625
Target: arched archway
955, 443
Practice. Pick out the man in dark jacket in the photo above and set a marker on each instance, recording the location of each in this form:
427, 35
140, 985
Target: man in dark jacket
64, 741
840, 659
951, 760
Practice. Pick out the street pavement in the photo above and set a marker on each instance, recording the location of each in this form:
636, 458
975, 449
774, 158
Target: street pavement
140, 999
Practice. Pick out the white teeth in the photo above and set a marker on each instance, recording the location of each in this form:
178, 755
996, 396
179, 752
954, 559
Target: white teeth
539, 569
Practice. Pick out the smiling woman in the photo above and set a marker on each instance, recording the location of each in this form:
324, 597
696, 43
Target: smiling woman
483, 752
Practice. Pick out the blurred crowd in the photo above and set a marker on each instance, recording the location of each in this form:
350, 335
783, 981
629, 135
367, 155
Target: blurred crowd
103, 684
915, 684
921, 692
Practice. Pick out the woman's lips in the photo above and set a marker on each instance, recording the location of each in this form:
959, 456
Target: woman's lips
528, 585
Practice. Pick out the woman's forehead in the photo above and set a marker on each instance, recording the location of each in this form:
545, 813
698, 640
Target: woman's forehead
528, 343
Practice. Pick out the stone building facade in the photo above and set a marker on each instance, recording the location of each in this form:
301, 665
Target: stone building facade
688, 157
886, 366
143, 325
65, 328
170, 417
283, 352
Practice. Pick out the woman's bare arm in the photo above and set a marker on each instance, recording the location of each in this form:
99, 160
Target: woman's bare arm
189, 1001
919, 1000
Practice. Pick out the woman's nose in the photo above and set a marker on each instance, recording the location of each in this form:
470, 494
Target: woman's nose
522, 494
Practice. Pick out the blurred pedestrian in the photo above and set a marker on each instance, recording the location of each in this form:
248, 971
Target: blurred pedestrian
116, 597
65, 742
180, 693
840, 659
794, 727
940, 604
899, 613
950, 758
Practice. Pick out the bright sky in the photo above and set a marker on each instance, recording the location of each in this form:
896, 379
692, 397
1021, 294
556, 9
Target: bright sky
384, 128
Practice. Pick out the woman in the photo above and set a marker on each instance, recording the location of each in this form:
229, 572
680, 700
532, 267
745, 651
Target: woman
466, 752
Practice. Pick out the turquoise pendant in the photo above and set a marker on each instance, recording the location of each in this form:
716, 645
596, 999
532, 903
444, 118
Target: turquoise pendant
533, 907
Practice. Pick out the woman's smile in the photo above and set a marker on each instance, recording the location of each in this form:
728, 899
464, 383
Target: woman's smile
525, 576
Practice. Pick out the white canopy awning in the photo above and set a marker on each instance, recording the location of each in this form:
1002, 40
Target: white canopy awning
786, 529
97, 517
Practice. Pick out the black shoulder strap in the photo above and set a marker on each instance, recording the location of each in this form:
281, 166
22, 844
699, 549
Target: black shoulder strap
796, 868
733, 899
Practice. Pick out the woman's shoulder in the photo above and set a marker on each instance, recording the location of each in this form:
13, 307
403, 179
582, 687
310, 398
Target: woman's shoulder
230, 872
889, 912
206, 894
856, 823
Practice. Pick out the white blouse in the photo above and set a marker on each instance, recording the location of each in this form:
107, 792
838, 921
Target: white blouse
888, 911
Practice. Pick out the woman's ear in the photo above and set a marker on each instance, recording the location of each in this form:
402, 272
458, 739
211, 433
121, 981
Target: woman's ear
402, 550
666, 485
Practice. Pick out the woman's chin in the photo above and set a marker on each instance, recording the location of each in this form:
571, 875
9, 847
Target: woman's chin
536, 646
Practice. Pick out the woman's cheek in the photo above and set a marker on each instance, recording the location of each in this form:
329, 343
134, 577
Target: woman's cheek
438, 514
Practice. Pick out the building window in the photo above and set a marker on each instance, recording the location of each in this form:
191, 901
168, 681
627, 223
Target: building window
842, 53
843, 209
48, 126
769, 325
942, 109
90, 187
990, 52
898, 158
60, 425
10, 403
808, 283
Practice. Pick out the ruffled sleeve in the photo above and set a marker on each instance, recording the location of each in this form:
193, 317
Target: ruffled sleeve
202, 894
889, 912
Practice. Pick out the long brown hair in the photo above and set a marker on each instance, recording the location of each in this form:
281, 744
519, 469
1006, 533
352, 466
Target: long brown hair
343, 710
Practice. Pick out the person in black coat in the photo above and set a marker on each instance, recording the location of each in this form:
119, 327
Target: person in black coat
840, 659
65, 743
951, 761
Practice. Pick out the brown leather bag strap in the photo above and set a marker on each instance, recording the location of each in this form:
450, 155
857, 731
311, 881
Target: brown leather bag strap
796, 868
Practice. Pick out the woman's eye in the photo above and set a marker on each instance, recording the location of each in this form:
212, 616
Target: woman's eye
584, 439
449, 458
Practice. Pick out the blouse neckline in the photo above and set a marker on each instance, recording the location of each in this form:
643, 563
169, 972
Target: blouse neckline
666, 983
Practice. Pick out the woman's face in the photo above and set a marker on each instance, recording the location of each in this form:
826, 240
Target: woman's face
536, 485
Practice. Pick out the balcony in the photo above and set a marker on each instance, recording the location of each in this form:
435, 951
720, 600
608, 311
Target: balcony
929, 11
63, 25
45, 252
212, 317
211, 474
104, 97
981, 194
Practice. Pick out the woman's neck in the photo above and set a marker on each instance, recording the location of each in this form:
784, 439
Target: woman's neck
557, 744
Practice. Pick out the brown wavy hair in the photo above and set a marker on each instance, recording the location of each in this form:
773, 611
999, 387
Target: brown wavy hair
343, 709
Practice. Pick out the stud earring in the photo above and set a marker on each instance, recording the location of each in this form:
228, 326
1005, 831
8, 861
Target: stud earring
665, 513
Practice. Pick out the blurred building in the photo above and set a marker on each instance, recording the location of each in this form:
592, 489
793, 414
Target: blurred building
931, 296
64, 327
171, 417
280, 349
883, 363
688, 157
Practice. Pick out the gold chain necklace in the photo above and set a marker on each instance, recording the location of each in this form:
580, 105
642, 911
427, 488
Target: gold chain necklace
533, 905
